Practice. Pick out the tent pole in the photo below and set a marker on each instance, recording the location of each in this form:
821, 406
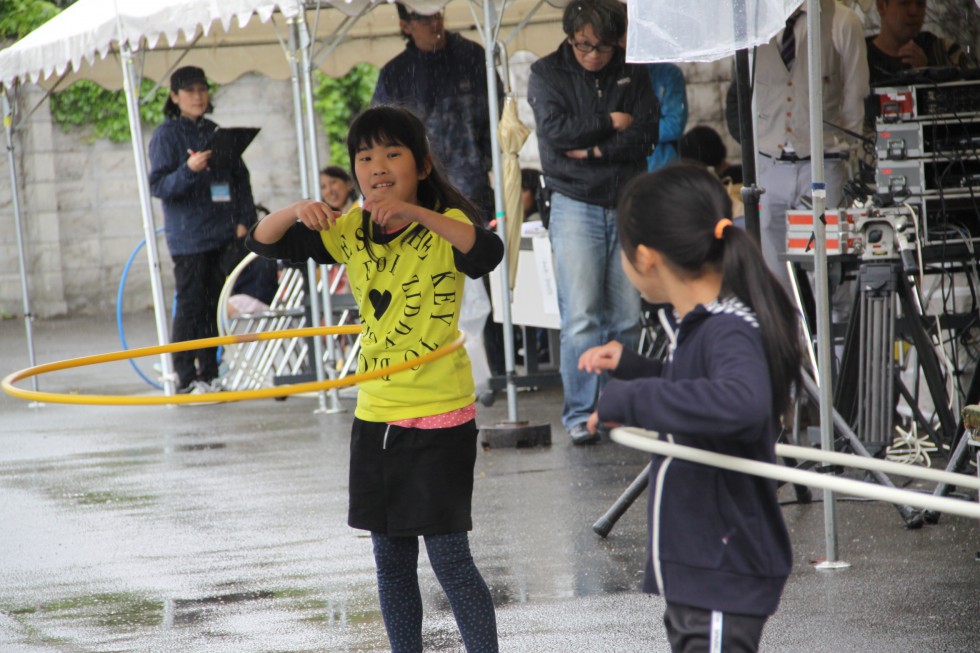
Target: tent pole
304, 180
819, 190
8, 117
751, 193
149, 228
489, 46
305, 48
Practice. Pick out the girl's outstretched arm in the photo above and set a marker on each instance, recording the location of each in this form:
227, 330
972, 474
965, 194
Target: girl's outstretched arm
317, 216
292, 233
393, 214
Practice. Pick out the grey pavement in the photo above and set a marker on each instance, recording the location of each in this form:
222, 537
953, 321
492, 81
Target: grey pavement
223, 528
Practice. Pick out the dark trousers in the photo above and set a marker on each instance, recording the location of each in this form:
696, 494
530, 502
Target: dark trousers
198, 278
401, 599
493, 339
695, 630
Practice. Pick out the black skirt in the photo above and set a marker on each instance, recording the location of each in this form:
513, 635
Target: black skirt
409, 482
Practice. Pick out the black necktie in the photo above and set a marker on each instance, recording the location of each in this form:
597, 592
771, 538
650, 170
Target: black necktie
787, 48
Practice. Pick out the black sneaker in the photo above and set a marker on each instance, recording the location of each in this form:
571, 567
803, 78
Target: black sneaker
580, 435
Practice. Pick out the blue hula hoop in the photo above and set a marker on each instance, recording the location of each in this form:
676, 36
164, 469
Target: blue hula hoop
119, 314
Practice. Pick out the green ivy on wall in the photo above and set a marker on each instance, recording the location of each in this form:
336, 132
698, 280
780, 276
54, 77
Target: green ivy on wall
337, 100
19, 17
86, 104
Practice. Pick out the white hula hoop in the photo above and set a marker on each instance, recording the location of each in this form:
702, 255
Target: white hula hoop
650, 441
877, 465
223, 322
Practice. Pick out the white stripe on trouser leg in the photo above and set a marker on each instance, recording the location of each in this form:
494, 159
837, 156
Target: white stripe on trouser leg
717, 624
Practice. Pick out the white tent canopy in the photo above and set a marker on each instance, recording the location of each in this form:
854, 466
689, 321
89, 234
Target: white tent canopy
232, 37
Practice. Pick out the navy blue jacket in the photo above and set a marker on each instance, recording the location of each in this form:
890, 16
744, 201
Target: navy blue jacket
571, 112
447, 90
192, 221
717, 538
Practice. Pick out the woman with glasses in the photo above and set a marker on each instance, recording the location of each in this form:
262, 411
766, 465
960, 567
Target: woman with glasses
596, 120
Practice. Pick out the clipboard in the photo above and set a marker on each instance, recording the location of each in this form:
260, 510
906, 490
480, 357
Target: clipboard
227, 144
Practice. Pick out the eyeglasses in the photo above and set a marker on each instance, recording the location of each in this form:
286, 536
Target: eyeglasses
585, 48
424, 20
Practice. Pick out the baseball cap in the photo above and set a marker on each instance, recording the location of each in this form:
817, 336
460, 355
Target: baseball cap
184, 77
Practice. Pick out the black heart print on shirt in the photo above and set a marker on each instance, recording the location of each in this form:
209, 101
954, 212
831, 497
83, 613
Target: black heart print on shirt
380, 302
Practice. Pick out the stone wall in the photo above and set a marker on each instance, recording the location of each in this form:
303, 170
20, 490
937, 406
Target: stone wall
80, 205
41, 229
707, 84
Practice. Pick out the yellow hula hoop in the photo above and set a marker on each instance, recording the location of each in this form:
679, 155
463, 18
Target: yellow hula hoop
209, 397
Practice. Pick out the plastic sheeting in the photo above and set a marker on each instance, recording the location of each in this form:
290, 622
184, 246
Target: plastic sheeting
707, 30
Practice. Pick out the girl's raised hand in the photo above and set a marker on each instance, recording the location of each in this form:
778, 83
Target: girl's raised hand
389, 213
316, 215
601, 358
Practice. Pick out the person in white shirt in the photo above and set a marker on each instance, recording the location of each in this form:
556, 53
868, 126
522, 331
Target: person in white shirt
782, 100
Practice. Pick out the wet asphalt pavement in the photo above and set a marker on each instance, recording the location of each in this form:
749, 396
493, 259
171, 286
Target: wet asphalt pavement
222, 528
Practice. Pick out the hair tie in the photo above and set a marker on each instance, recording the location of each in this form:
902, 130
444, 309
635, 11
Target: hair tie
720, 227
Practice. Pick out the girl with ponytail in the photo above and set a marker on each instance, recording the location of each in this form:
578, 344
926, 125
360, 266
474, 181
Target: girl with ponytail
719, 548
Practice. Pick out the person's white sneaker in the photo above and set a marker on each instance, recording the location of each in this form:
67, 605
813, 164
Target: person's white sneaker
199, 387
214, 385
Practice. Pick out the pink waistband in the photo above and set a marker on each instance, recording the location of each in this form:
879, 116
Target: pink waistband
441, 421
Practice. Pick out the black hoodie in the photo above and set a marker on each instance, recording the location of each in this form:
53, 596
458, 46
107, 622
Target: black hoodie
447, 90
717, 537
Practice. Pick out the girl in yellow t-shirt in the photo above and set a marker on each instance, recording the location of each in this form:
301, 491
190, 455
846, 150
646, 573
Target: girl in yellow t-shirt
413, 442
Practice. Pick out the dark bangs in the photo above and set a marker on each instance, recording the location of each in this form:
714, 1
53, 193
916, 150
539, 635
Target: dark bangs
395, 125
387, 125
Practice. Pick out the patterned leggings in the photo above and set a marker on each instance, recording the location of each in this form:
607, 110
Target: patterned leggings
401, 601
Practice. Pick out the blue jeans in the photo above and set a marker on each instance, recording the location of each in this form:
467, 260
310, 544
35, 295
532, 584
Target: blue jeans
596, 301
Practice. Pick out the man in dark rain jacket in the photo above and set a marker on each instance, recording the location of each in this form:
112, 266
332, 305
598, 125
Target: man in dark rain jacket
442, 78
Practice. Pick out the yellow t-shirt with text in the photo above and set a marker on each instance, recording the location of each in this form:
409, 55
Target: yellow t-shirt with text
409, 295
